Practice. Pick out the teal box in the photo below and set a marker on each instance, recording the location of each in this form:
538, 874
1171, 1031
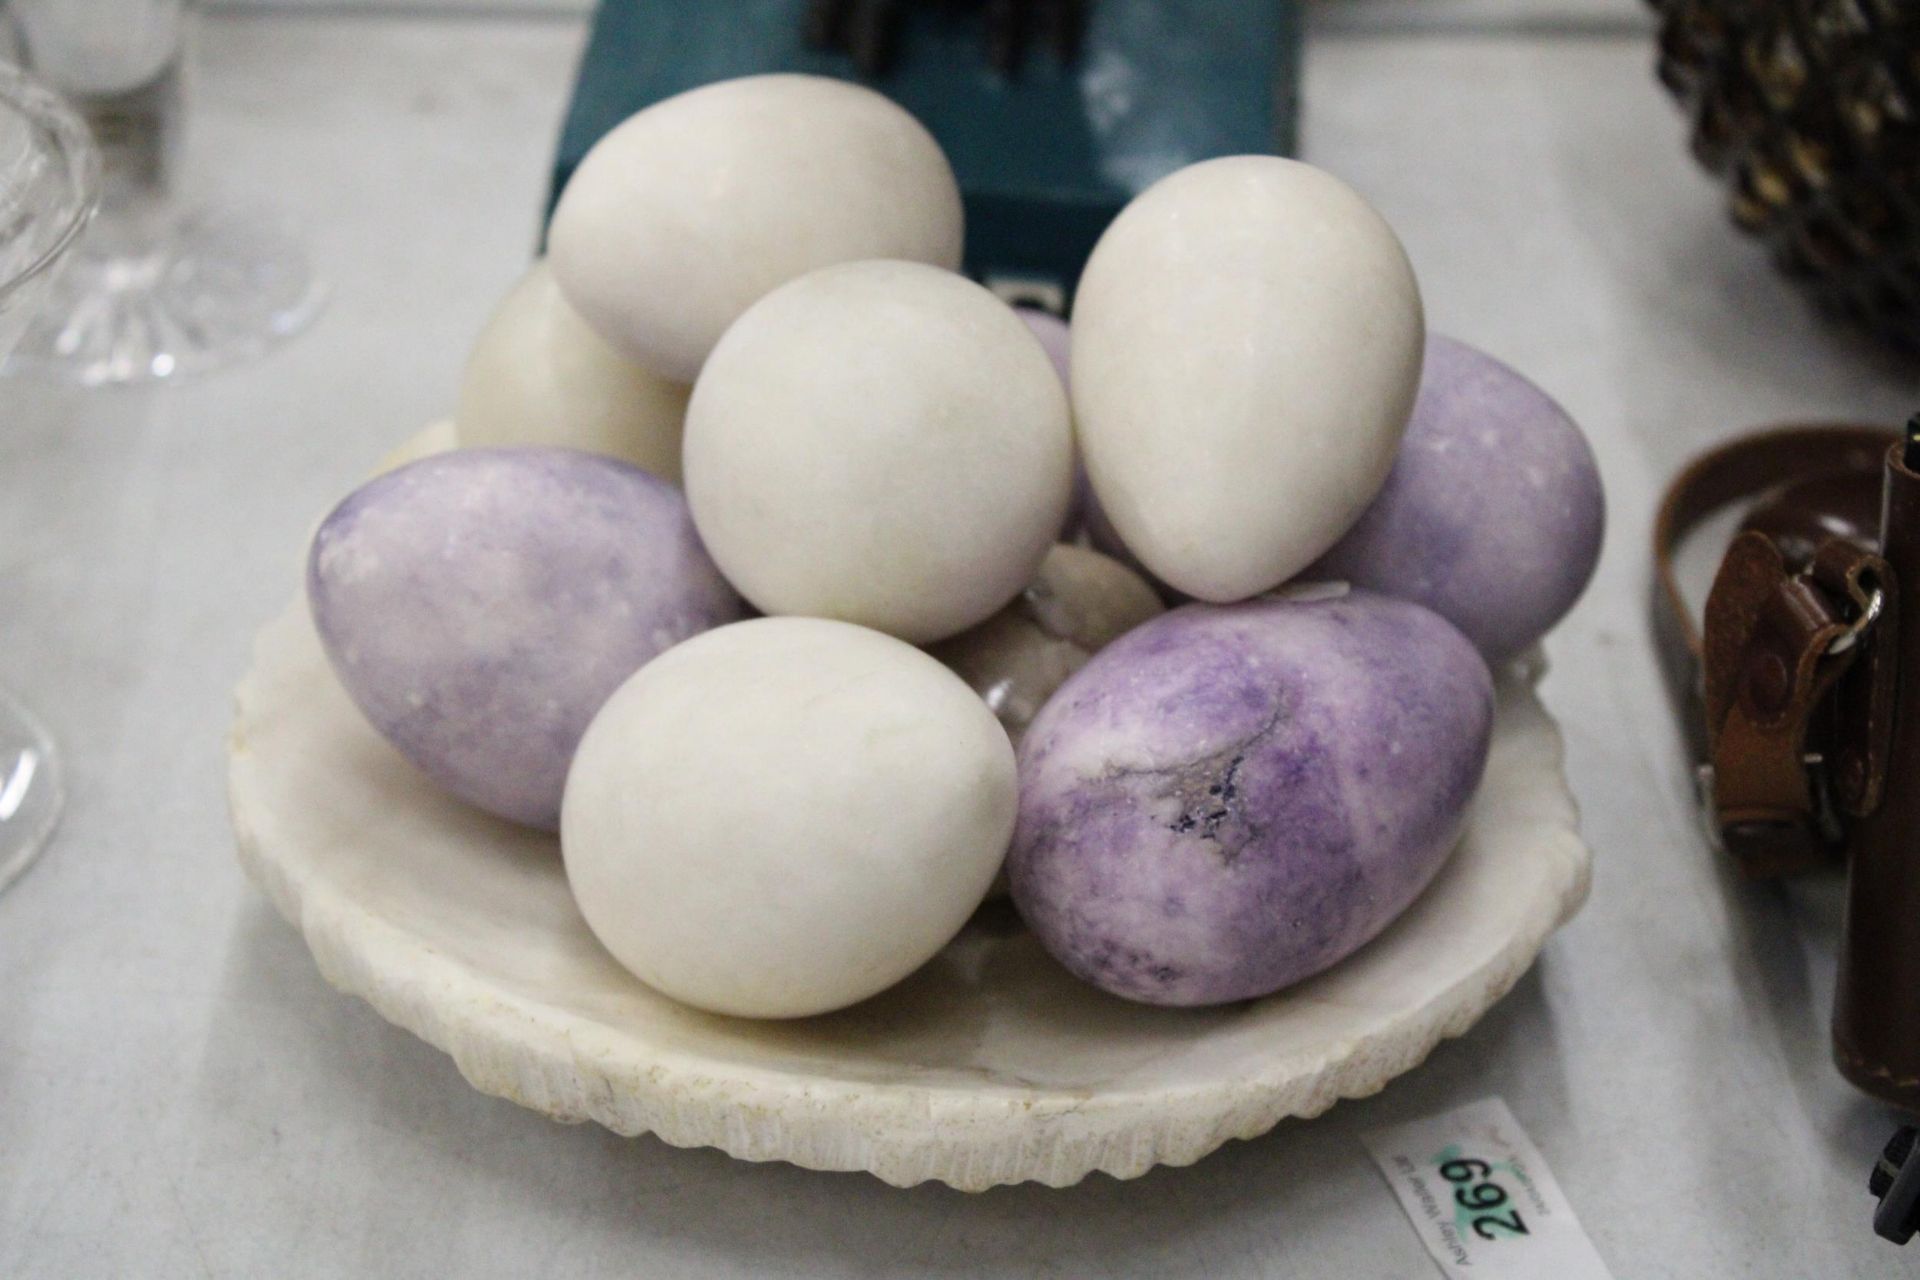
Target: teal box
1046, 157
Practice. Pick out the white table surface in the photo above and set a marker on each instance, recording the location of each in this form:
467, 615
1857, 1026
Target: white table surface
181, 1094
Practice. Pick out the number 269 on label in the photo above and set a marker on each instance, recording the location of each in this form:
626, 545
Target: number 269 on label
1486, 1200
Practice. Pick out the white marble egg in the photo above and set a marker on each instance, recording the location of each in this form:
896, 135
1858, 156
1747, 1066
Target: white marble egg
539, 374
1246, 347
689, 212
880, 442
785, 816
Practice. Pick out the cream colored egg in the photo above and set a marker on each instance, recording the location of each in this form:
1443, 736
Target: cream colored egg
784, 816
1247, 340
1078, 603
880, 442
439, 436
540, 375
689, 212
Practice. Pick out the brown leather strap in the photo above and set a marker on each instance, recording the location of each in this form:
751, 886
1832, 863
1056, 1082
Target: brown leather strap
1740, 469
1762, 689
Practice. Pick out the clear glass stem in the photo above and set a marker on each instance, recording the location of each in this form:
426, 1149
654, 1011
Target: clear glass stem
32, 791
157, 288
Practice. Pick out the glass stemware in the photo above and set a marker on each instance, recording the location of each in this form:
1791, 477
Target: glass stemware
159, 287
49, 180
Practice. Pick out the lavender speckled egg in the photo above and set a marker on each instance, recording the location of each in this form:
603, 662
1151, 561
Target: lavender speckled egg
1493, 513
1231, 798
1056, 339
480, 605
1053, 334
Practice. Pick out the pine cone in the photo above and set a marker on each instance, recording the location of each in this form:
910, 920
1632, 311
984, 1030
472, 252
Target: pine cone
1809, 111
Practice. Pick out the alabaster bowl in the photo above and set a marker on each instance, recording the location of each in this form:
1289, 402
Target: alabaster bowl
990, 1065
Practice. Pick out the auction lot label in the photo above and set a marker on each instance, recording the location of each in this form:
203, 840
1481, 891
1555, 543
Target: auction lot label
1482, 1198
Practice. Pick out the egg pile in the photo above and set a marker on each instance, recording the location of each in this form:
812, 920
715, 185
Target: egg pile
759, 574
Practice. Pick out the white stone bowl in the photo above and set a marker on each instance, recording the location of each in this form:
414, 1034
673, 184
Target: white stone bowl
991, 1065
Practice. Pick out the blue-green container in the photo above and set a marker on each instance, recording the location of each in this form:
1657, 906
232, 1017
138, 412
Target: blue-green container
1045, 158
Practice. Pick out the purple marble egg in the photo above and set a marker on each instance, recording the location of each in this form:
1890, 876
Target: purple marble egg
479, 606
1493, 513
1056, 339
1053, 334
1231, 798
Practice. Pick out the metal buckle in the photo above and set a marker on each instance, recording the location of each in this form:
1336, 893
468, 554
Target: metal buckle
1870, 604
1826, 814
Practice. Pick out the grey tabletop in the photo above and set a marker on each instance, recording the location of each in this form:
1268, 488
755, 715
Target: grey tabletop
180, 1092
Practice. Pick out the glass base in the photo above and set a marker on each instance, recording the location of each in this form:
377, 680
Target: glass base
31, 791
193, 293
